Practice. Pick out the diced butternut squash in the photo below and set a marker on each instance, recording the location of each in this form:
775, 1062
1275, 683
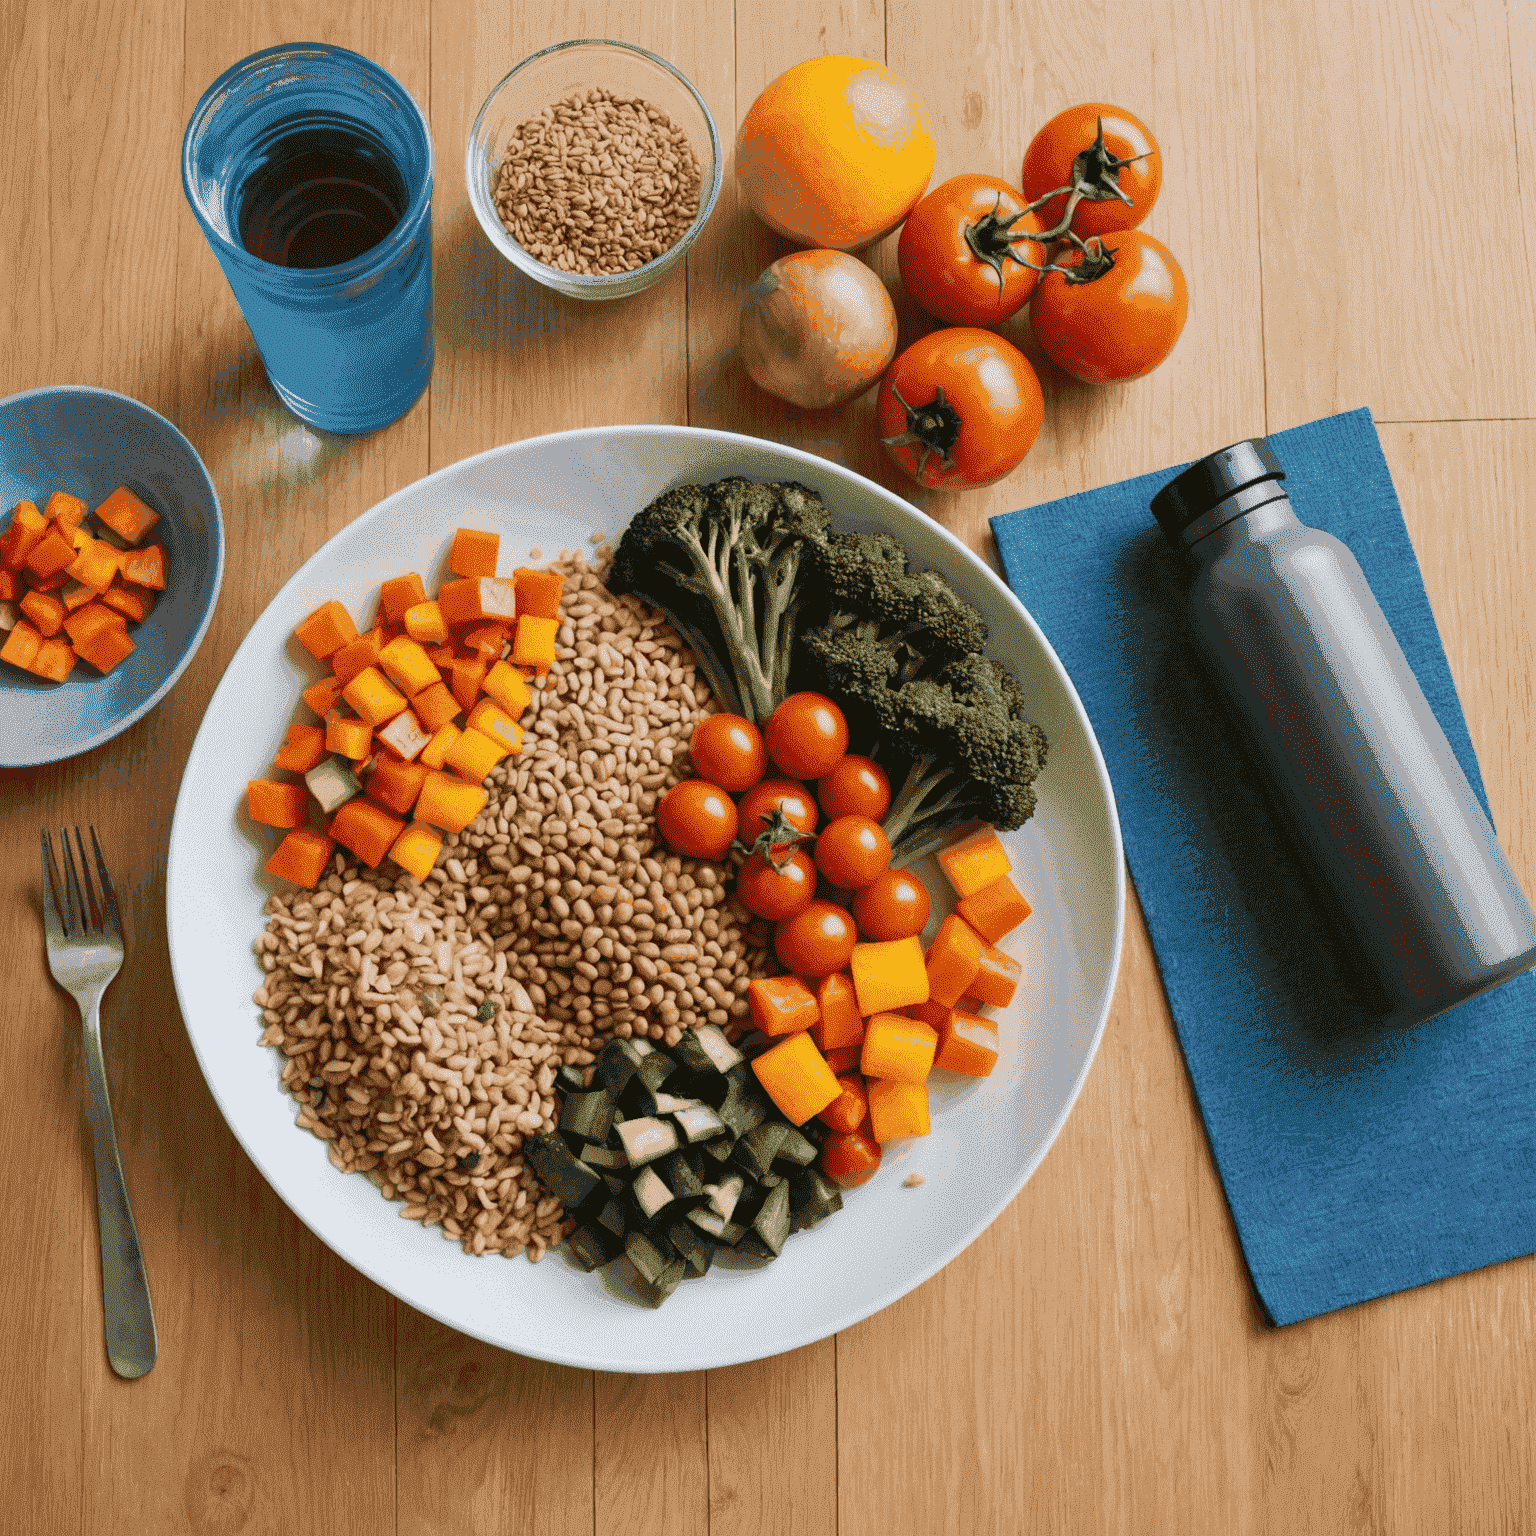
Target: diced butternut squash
997, 977
367, 829
432, 755
476, 599
324, 696
106, 648
898, 1048
889, 975
995, 910
406, 665
533, 643
25, 529
55, 551
442, 657
302, 857
80, 538
425, 624
399, 595
46, 612
133, 602
840, 1024
145, 567
276, 804
89, 620
967, 1043
467, 675
538, 593
404, 735
73, 594
936, 1014
11, 589
435, 706
474, 553
492, 720
54, 660
487, 641
844, 1059
449, 803
56, 581
127, 516
416, 850
509, 688
395, 784
795, 1075
66, 509
847, 1111
358, 655
473, 755
954, 957
326, 630
95, 565
781, 1005
348, 737
975, 861
302, 748
370, 694
21, 646
897, 1110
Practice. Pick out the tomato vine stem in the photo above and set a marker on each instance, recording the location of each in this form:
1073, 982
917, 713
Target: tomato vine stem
934, 428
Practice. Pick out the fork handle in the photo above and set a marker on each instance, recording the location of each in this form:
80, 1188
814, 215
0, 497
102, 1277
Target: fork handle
130, 1320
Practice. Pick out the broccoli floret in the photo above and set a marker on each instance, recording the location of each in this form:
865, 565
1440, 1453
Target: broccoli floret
722, 562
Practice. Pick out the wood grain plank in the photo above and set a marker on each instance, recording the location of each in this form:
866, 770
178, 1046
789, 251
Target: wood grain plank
1379, 126
650, 1455
1521, 51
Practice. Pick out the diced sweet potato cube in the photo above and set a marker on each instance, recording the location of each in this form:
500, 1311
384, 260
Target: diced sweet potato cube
302, 857
475, 599
133, 602
425, 624
841, 1025
87, 621
442, 656
967, 1043
473, 755
348, 737
95, 565
897, 1110
399, 595
474, 553
406, 665
509, 688
538, 593
358, 654
127, 516
435, 706
487, 640
416, 850
66, 509
276, 804
404, 734
492, 720
889, 975
533, 643
73, 594
370, 694
997, 977
898, 1048
432, 755
323, 697
54, 552
46, 612
367, 829
795, 1075
995, 910
450, 803
10, 587
26, 528
467, 675
145, 567
21, 646
52, 583
326, 630
954, 957
54, 660
108, 646
302, 748
975, 861
395, 784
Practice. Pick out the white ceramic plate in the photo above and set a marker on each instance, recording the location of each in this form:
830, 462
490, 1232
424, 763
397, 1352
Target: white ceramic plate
988, 1136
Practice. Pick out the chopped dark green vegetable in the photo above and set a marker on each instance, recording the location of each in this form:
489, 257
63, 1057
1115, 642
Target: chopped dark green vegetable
486, 1011
567, 1178
651, 1193
646, 1139
757, 1149
656, 1291
588, 1116
617, 1063
700, 1123
692, 1245
797, 1150
604, 1157
569, 1079
680, 1177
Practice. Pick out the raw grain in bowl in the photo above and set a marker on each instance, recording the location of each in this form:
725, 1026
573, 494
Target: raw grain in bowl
422, 1023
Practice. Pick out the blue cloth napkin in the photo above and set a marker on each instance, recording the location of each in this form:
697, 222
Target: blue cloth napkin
1358, 1159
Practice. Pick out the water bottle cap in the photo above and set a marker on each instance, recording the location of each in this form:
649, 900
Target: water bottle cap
1209, 481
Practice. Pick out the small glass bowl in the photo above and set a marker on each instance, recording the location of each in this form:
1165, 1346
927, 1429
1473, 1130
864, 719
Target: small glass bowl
550, 75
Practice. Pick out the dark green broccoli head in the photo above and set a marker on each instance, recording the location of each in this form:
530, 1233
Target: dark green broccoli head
944, 624
863, 574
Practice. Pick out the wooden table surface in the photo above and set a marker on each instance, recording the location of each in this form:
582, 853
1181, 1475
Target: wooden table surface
1352, 192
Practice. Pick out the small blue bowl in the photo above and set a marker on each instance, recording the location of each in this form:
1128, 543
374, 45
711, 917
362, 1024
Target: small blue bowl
88, 442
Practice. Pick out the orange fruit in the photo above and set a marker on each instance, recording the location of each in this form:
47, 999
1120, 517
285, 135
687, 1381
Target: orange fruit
835, 153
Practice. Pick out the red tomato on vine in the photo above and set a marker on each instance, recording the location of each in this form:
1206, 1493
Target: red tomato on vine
1107, 152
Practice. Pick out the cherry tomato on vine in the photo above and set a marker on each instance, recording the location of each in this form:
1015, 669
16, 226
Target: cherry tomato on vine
1071, 147
850, 1158
1120, 323
852, 852
777, 891
697, 819
959, 408
785, 795
728, 750
858, 786
817, 941
807, 735
963, 251
895, 906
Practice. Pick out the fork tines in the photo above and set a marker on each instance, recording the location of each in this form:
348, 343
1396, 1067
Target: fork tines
85, 910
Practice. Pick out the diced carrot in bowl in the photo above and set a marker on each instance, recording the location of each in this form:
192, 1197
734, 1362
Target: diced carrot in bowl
975, 861
432, 755
492, 720
898, 1048
407, 666
997, 977
509, 688
425, 624
132, 602
127, 516
953, 959
473, 755
449, 803
416, 849
995, 910
54, 660
66, 509
889, 975
967, 1043
21, 646
106, 648
533, 643
324, 696
897, 1110
841, 1023
795, 1075
348, 737
55, 552
781, 1005
395, 784
302, 748
488, 640
90, 620
358, 654
435, 706
46, 612
26, 528
145, 567
370, 694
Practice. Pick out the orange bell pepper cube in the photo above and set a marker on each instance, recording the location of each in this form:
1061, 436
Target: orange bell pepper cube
474, 553
66, 509
449, 803
795, 1075
302, 748
326, 630
145, 567
468, 673
889, 975
473, 755
475, 599
844, 1059
324, 696
277, 805
395, 784
46, 611
897, 1110
367, 829
435, 706
399, 595
954, 957
348, 737
847, 1111
436, 750
995, 910
967, 1043
21, 646
782, 1005
370, 694
489, 718
509, 688
841, 1024
302, 857
55, 551
133, 602
26, 528
416, 850
54, 660
533, 643
127, 516
358, 654
425, 624
975, 861
106, 648
538, 592
898, 1049
997, 977
487, 641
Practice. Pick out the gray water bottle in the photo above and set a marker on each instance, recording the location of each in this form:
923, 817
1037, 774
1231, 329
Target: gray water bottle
1390, 834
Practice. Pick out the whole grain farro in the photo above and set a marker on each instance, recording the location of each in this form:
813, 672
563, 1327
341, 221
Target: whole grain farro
558, 907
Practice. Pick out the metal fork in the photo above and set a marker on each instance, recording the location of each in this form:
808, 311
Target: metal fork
85, 951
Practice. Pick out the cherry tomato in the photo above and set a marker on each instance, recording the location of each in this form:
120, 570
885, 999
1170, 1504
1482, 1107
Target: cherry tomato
728, 750
895, 906
1119, 324
852, 852
858, 786
697, 819
1070, 147
850, 1158
807, 735
759, 801
777, 891
964, 255
959, 408
815, 942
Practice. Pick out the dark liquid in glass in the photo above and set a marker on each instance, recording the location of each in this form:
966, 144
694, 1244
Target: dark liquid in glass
323, 196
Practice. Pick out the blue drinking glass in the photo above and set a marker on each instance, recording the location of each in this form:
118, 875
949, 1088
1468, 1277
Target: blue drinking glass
321, 161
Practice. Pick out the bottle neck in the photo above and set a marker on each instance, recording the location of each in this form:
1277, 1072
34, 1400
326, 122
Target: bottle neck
1249, 513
